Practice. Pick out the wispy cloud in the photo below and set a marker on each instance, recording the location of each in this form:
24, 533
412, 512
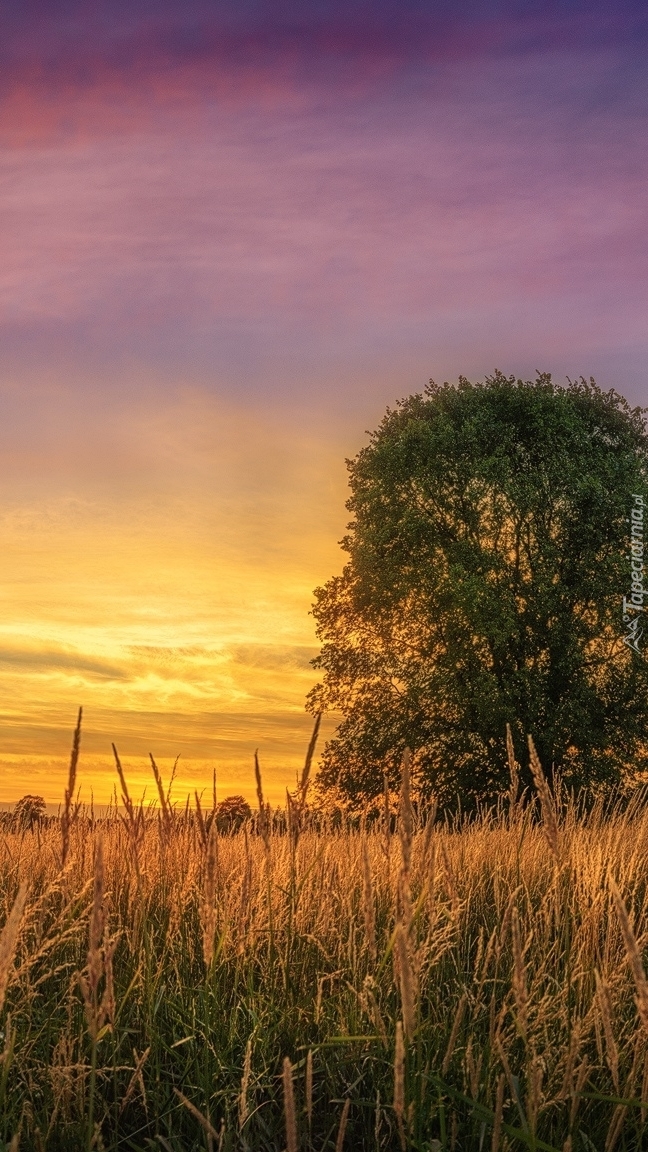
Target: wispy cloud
231, 234
46, 660
256, 245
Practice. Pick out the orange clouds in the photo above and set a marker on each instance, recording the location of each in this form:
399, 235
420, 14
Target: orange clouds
173, 605
229, 239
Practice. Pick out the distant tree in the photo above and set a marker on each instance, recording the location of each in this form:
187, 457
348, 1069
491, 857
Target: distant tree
231, 813
488, 559
29, 811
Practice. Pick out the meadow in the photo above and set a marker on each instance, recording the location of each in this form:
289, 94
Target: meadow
412, 983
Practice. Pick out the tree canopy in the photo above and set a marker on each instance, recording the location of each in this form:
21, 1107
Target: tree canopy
232, 813
29, 810
489, 554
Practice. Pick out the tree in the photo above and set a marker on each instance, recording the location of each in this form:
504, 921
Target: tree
29, 811
232, 813
489, 555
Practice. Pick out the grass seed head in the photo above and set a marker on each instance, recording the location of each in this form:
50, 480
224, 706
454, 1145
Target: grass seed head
96, 927
343, 1123
205, 1124
309, 1086
549, 814
9, 940
499, 1109
633, 953
69, 812
407, 980
289, 1106
368, 902
454, 1032
243, 1110
519, 975
399, 1083
605, 1009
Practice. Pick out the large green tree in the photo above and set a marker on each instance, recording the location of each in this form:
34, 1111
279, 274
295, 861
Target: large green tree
489, 554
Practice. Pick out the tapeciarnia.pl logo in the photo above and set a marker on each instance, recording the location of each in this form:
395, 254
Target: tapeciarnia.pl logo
634, 603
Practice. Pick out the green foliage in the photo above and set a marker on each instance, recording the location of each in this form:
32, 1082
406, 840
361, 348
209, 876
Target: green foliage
488, 558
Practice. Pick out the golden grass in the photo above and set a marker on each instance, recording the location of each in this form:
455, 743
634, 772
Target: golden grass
452, 988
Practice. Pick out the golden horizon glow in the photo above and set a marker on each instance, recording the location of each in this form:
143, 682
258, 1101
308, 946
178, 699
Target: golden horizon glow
229, 240
172, 602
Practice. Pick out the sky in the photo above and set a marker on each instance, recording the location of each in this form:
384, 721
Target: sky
232, 233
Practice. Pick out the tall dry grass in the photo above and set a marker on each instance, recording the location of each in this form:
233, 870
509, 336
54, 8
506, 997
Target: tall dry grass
475, 987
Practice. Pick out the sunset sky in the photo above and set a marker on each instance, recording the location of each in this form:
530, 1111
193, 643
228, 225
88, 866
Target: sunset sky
231, 234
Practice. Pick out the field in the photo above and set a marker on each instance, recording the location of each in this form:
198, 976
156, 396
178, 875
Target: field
412, 985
